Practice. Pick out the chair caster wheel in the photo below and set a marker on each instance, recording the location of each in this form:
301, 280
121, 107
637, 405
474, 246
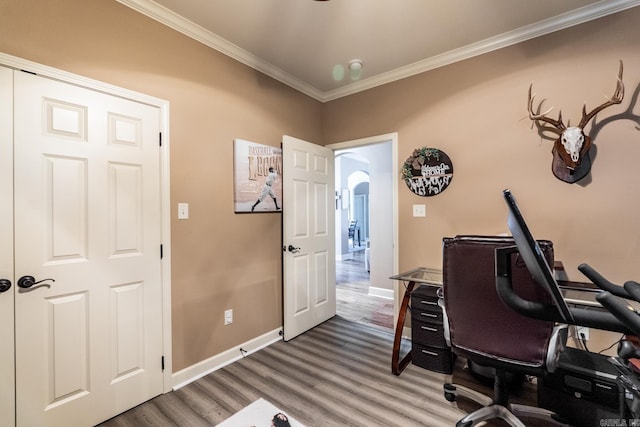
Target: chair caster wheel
449, 392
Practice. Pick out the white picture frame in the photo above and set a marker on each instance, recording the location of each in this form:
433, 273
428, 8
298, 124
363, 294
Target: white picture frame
257, 182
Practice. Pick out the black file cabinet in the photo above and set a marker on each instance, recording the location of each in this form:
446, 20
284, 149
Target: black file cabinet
428, 346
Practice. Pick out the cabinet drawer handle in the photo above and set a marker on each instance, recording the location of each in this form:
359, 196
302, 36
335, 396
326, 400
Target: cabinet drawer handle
429, 302
429, 329
604, 386
430, 353
429, 315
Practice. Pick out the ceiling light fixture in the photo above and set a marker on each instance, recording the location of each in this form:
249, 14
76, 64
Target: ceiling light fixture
355, 69
355, 65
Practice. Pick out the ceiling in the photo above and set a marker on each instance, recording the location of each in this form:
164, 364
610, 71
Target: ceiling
308, 44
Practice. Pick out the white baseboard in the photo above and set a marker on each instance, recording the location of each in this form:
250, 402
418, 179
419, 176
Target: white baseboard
344, 257
381, 292
205, 367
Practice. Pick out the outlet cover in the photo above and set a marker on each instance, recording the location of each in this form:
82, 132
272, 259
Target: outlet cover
228, 317
419, 210
183, 210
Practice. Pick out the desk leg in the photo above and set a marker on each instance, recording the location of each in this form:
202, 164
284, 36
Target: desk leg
397, 365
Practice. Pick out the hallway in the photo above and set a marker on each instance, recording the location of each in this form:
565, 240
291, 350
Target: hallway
353, 301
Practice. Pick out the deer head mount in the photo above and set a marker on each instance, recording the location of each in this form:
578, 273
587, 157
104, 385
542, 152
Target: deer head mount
571, 161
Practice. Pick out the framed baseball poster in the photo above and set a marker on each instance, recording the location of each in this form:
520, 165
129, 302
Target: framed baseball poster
257, 177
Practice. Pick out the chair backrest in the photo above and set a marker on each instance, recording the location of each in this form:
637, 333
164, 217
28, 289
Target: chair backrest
481, 326
352, 228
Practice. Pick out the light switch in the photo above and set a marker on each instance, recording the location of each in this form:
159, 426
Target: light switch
183, 210
419, 210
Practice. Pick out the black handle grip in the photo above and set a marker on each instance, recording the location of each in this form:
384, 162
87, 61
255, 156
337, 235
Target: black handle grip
603, 283
628, 350
26, 282
621, 310
633, 289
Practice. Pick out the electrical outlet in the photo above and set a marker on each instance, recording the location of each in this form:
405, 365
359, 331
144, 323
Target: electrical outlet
228, 317
582, 333
419, 210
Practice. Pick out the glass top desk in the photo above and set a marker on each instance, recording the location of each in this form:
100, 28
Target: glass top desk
417, 276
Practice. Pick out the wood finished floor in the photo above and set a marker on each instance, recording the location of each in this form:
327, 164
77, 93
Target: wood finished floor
353, 301
337, 374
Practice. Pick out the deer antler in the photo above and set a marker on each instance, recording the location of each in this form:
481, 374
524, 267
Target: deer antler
617, 97
558, 125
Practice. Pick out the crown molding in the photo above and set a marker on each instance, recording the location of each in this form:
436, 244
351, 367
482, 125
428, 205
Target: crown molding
172, 20
557, 23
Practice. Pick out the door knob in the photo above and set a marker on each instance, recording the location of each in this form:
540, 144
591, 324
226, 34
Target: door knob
28, 281
293, 249
5, 285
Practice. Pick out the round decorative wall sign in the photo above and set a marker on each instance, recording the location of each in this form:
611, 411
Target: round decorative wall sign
428, 171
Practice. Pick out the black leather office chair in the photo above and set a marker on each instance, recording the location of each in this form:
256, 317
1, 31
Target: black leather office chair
484, 330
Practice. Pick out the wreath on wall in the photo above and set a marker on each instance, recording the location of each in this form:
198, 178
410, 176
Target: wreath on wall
427, 171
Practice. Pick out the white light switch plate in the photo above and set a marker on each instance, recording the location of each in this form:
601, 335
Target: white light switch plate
183, 210
419, 210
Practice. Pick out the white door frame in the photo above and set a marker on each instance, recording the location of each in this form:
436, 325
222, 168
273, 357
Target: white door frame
163, 105
393, 137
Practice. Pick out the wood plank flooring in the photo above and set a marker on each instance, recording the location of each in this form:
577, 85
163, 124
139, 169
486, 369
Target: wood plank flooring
353, 301
337, 374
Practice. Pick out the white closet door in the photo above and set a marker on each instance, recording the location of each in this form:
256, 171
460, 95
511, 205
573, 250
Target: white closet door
7, 377
87, 216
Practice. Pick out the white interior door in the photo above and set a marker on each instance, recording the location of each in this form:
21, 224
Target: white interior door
308, 235
87, 215
7, 377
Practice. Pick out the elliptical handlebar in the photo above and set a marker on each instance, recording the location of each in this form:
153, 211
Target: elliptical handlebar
633, 289
613, 297
599, 319
621, 310
599, 280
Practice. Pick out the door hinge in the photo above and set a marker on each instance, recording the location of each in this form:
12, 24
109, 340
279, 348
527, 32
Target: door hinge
161, 251
162, 363
160, 138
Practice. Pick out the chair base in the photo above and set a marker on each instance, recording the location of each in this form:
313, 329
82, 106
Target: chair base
491, 410
487, 374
